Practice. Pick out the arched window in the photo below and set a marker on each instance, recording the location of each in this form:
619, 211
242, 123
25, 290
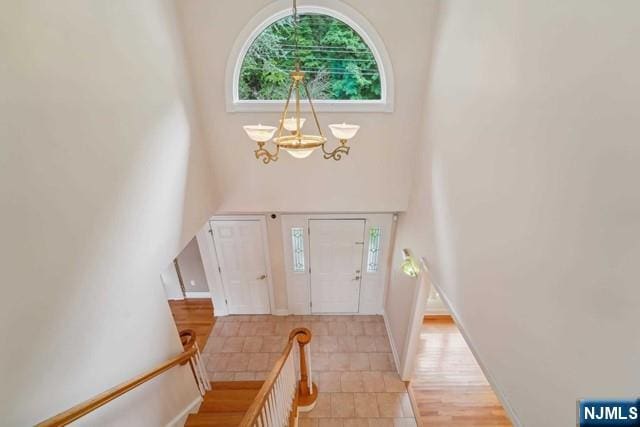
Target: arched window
338, 63
346, 67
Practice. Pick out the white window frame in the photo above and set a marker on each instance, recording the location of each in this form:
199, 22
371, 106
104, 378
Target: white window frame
334, 8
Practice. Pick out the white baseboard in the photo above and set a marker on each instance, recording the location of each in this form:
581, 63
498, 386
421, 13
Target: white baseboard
181, 418
396, 357
505, 403
197, 295
280, 312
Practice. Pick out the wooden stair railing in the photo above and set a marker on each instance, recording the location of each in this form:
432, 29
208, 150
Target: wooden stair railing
282, 394
191, 355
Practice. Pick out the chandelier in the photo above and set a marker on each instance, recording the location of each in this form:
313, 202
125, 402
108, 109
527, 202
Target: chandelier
290, 137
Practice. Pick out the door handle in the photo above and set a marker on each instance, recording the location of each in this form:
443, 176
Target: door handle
264, 276
356, 278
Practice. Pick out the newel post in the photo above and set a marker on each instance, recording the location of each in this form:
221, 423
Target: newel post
306, 397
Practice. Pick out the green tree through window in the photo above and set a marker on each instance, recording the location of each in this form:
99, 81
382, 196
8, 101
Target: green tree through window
338, 63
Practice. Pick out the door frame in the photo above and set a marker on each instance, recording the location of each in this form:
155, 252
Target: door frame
385, 220
212, 266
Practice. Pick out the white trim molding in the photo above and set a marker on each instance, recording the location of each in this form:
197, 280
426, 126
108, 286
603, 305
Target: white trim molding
205, 295
334, 8
394, 351
181, 418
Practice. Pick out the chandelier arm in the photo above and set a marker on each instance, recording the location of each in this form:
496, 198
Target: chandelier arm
313, 110
266, 156
337, 153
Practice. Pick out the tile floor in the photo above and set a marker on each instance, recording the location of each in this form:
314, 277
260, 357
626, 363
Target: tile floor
352, 365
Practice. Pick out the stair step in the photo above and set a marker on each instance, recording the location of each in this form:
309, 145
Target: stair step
228, 400
236, 385
214, 419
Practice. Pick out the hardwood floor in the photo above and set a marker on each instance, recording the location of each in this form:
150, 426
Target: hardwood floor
196, 314
449, 386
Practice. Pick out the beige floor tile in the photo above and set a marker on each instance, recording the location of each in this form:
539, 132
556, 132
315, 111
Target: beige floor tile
320, 329
330, 422
230, 329
351, 361
247, 329
339, 361
320, 361
351, 382
373, 328
218, 362
233, 345
404, 422
244, 376
359, 362
390, 405
325, 344
366, 405
252, 345
237, 362
259, 362
382, 344
273, 344
261, 376
366, 344
265, 329
284, 328
372, 381
342, 405
337, 328
356, 422
328, 381
322, 408
381, 422
347, 344
393, 383
221, 376
355, 328
381, 361
215, 344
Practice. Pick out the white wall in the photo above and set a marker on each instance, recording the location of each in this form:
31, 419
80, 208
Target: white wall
191, 268
103, 179
375, 177
531, 214
171, 283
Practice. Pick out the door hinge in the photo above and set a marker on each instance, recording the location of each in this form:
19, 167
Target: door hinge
310, 304
309, 270
219, 269
226, 302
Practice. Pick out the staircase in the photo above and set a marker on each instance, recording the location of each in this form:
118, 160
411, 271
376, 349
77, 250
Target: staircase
274, 402
225, 404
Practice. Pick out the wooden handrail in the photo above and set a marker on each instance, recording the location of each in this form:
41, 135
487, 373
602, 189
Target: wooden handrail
188, 338
303, 336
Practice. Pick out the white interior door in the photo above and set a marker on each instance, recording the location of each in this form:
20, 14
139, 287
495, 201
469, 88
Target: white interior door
336, 264
241, 257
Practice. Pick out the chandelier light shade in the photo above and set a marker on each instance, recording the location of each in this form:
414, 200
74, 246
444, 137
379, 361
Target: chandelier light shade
290, 137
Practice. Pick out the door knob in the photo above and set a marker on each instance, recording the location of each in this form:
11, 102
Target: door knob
264, 276
356, 278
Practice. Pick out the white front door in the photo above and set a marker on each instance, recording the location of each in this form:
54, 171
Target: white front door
242, 261
336, 264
